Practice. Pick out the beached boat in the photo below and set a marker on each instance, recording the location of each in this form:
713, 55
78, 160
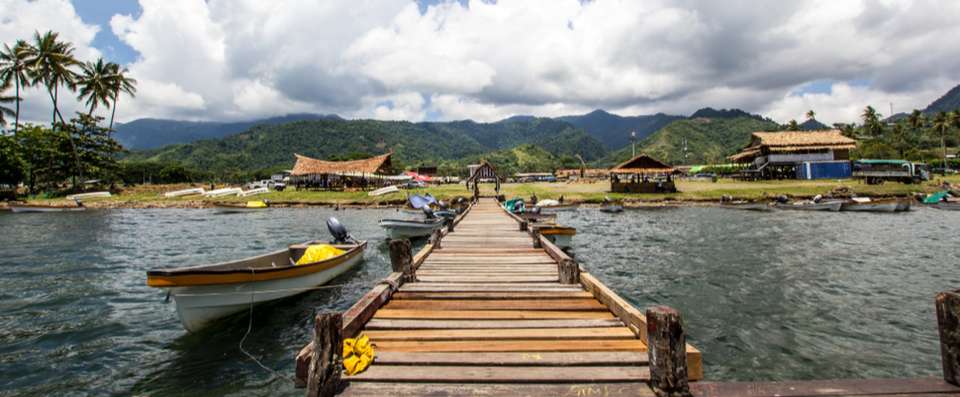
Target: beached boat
184, 192
555, 206
25, 208
810, 206
946, 205
235, 208
205, 293
254, 192
384, 190
81, 196
230, 191
561, 236
410, 228
868, 205
746, 206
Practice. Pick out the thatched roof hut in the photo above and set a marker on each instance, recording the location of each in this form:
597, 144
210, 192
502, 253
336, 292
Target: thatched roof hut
786, 142
377, 165
642, 164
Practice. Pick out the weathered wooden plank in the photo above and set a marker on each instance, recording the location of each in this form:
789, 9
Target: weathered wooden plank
494, 333
378, 323
490, 269
847, 387
491, 295
501, 279
482, 273
358, 314
489, 314
533, 374
488, 287
624, 310
378, 389
503, 345
554, 359
518, 304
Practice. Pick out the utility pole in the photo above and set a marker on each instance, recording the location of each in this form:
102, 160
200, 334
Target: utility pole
633, 142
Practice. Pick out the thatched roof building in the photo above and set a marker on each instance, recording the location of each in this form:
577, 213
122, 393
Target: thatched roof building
377, 165
787, 145
642, 164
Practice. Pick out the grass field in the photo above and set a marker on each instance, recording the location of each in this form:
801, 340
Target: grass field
690, 191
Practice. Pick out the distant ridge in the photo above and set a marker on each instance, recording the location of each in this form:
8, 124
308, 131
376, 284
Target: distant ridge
614, 131
154, 133
947, 103
711, 113
813, 125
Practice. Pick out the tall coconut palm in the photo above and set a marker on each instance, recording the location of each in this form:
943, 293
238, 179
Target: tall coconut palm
50, 61
871, 122
916, 121
5, 111
120, 83
94, 84
13, 69
942, 124
811, 114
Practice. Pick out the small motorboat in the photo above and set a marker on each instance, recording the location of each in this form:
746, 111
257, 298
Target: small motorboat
184, 192
410, 228
610, 206
82, 196
810, 206
561, 236
538, 217
236, 208
868, 205
419, 202
550, 205
207, 292
384, 190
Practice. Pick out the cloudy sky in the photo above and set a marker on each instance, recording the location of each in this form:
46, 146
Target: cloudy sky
485, 60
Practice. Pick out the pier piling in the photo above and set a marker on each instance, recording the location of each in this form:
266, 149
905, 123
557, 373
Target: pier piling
325, 366
666, 344
948, 321
401, 259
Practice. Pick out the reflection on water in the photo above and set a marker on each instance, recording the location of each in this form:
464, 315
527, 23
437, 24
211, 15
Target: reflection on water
765, 296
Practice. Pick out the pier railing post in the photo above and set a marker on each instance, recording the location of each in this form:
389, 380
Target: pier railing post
436, 237
569, 271
523, 226
667, 351
536, 238
948, 322
401, 259
450, 225
325, 364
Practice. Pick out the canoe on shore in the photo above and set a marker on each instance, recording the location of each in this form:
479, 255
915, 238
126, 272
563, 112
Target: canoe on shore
27, 208
207, 292
384, 190
184, 192
811, 206
81, 196
872, 206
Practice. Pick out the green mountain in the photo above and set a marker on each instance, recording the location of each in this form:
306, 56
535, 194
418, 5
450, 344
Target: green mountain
522, 158
273, 146
614, 131
154, 133
813, 125
707, 140
947, 103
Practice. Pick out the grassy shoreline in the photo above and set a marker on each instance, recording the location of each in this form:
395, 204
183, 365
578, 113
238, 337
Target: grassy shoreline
691, 193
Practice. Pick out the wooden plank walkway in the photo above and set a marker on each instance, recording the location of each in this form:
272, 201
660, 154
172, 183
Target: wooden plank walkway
487, 313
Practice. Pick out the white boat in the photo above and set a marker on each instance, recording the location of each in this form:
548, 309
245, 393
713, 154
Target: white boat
184, 192
384, 190
254, 192
811, 206
561, 236
746, 206
903, 205
208, 292
81, 196
229, 191
24, 208
406, 228
867, 205
550, 205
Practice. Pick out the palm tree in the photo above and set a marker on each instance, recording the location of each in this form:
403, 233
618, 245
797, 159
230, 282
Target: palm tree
871, 122
793, 126
942, 124
120, 83
13, 69
811, 114
916, 121
94, 84
50, 62
5, 111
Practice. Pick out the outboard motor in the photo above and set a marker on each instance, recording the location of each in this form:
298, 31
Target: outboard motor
338, 231
428, 213
817, 198
442, 205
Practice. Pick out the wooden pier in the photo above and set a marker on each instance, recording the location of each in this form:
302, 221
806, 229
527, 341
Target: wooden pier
490, 307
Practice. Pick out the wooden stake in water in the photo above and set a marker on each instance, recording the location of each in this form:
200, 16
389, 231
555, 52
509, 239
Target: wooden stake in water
948, 321
667, 351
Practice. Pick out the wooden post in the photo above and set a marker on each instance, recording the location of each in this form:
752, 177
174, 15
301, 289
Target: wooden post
667, 351
401, 259
536, 238
436, 237
325, 365
450, 225
948, 322
569, 271
523, 226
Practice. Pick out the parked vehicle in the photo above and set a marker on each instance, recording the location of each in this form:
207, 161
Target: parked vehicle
875, 172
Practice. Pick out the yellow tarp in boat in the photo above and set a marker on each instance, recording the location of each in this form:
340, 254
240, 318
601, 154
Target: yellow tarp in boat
319, 252
256, 204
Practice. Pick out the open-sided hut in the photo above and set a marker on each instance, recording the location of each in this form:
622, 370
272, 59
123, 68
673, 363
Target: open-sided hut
780, 154
642, 174
483, 172
311, 173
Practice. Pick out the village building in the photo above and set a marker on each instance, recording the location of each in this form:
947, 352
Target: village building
796, 154
310, 173
642, 174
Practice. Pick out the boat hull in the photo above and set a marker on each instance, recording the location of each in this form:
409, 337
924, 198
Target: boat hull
199, 305
42, 209
889, 206
828, 206
238, 210
611, 209
400, 229
945, 206
558, 208
747, 206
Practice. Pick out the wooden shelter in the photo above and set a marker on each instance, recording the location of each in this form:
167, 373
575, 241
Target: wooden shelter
642, 174
777, 154
323, 174
482, 171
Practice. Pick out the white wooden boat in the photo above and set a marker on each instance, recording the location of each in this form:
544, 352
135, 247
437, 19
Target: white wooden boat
561, 236
550, 205
746, 206
254, 192
82, 196
810, 206
867, 205
408, 228
184, 192
26, 208
207, 292
229, 191
384, 190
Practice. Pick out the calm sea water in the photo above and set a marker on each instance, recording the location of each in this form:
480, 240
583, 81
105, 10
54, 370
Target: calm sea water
765, 296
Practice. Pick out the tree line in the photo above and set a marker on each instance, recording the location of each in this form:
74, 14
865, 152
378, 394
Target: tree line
47, 157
